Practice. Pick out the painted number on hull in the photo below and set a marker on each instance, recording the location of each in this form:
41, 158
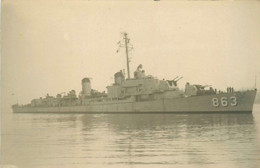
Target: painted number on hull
223, 101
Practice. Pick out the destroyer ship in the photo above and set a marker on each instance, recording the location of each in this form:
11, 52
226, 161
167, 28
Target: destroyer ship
143, 93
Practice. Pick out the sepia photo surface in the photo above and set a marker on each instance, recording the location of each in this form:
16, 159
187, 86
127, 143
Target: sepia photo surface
130, 84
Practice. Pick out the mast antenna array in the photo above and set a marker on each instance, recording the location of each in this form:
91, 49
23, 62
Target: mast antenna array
128, 47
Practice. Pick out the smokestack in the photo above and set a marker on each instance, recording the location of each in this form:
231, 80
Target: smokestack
86, 86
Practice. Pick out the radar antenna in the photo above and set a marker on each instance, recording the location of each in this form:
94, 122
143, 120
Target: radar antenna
127, 47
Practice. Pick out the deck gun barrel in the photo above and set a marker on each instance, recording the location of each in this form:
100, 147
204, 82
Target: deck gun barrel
175, 80
179, 79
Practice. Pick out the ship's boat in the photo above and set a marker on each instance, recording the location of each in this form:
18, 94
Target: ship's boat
143, 93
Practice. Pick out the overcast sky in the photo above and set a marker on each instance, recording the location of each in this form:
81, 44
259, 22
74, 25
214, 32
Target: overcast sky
48, 47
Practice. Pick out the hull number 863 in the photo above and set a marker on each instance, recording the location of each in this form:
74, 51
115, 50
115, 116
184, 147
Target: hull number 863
224, 101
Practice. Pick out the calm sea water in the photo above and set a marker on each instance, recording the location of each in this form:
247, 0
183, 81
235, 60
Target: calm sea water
130, 140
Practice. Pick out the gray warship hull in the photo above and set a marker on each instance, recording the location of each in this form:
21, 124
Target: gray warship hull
223, 102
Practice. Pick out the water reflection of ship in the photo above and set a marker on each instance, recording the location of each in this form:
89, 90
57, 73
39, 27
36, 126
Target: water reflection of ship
169, 135
135, 137
138, 124
121, 122
153, 121
146, 135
